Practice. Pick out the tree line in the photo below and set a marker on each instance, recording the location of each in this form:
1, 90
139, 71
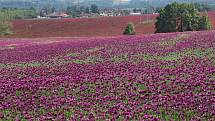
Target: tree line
75, 11
15, 13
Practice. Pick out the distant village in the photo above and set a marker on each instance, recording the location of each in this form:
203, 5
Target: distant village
95, 12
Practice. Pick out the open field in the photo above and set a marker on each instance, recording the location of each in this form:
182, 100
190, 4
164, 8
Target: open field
86, 27
212, 18
150, 77
103, 26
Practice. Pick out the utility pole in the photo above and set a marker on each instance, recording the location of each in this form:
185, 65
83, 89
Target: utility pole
91, 3
140, 13
120, 2
78, 5
36, 5
147, 13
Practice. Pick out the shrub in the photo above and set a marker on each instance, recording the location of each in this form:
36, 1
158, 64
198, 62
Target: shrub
130, 29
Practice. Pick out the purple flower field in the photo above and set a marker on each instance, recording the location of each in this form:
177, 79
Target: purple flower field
152, 77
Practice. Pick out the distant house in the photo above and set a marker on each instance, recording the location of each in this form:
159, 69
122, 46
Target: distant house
103, 14
107, 14
57, 15
135, 14
84, 15
40, 17
88, 15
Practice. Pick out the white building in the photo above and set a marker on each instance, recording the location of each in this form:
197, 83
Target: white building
135, 14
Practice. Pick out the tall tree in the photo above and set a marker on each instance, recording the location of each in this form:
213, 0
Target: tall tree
74, 11
94, 8
87, 10
47, 10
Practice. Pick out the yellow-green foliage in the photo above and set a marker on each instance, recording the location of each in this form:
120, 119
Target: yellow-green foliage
130, 29
5, 28
9, 14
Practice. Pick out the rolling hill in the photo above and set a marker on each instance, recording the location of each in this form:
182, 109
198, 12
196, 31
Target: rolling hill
103, 26
86, 27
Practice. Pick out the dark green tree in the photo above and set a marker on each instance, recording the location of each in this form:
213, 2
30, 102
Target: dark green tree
82, 9
130, 29
74, 11
135, 10
94, 8
53, 9
178, 17
87, 10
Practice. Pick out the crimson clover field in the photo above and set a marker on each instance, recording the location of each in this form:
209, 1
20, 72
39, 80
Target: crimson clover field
86, 27
145, 77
